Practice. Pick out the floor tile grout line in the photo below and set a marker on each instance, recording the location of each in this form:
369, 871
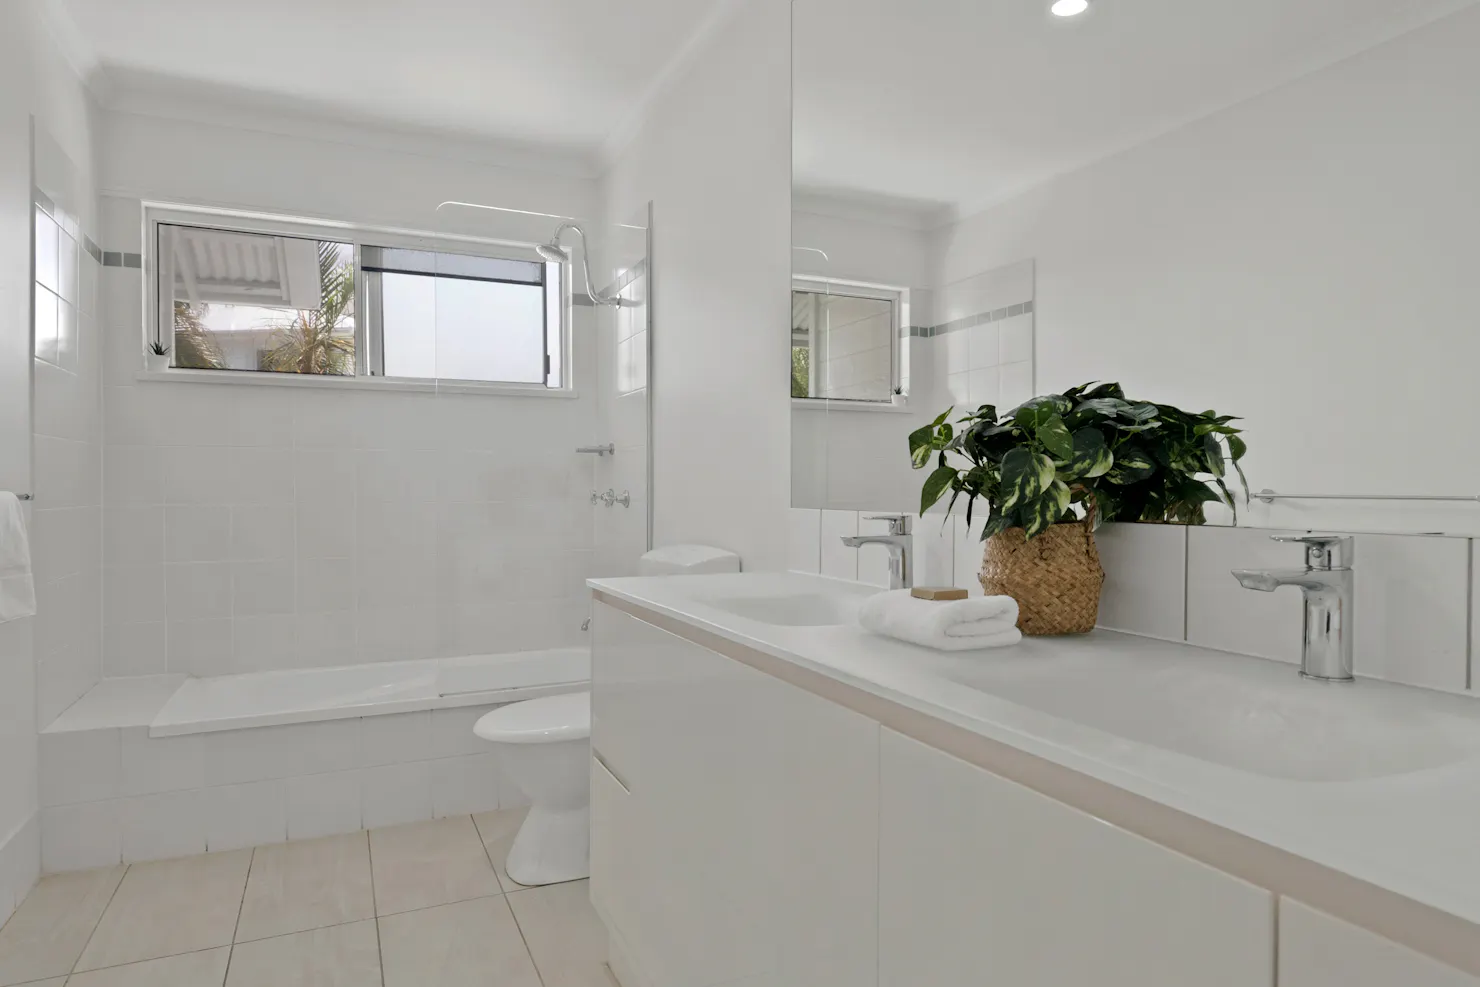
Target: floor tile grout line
240, 905
83, 952
374, 906
116, 966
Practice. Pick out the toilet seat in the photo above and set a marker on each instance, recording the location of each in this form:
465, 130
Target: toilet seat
549, 720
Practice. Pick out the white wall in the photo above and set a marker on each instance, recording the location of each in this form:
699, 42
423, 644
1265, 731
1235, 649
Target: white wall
1304, 259
257, 527
713, 153
37, 82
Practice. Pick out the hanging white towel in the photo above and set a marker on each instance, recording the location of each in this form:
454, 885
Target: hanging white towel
952, 625
17, 590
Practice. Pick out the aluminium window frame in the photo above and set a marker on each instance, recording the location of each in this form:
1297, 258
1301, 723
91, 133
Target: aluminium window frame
358, 236
896, 295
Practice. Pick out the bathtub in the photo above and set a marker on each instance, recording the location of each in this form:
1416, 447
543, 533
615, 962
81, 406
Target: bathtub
258, 699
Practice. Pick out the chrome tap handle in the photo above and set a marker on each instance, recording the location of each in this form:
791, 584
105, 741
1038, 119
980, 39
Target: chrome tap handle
899, 524
1323, 551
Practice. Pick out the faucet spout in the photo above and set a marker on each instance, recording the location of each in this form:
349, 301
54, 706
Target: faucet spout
1269, 580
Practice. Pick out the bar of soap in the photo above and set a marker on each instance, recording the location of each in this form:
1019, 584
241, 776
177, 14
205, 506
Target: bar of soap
938, 593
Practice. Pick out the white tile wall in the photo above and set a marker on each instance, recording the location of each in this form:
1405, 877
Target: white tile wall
838, 560
252, 528
1145, 579
804, 540
1223, 615
117, 794
1411, 609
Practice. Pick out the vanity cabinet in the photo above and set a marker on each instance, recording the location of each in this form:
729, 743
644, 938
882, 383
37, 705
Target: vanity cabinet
733, 818
983, 881
1317, 950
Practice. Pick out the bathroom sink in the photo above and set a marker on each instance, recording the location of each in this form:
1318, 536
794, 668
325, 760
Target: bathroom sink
1244, 713
795, 609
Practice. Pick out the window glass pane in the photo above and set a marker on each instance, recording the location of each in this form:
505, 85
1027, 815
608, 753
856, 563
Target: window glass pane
458, 329
46, 250
249, 301
842, 347
402, 261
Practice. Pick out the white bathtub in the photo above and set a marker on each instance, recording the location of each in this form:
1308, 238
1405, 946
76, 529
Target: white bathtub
232, 702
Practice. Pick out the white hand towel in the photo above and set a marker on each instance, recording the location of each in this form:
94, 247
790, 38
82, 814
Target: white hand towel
17, 591
952, 625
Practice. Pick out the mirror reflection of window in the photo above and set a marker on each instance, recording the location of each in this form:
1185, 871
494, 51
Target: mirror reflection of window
843, 344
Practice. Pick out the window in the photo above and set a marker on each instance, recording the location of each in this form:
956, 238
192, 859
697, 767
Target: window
843, 341
345, 304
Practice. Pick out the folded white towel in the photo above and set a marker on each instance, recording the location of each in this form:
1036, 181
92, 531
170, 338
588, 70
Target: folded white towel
17, 591
951, 625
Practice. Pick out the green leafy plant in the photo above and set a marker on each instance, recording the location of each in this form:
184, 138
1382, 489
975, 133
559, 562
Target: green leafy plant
1089, 447
159, 349
318, 341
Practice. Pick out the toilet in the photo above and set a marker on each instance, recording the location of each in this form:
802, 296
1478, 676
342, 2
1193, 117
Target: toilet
544, 746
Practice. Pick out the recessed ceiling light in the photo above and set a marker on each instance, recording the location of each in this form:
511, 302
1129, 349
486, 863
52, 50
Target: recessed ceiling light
1069, 8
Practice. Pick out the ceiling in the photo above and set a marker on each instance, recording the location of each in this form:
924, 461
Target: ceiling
944, 107
562, 75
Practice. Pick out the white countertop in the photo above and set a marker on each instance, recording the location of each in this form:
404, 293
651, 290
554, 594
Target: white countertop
1416, 833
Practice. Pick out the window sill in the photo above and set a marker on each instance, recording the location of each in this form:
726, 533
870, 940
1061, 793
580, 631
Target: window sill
253, 379
900, 407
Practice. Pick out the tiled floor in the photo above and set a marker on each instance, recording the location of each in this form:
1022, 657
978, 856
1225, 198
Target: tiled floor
407, 906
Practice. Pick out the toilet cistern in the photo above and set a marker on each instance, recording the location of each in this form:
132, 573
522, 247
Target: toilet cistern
899, 542
1326, 582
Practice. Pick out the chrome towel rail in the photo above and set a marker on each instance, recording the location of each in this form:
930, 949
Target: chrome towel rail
1269, 497
610, 449
22, 496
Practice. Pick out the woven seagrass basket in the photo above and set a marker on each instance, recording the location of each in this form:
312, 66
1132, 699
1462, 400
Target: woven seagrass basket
1055, 578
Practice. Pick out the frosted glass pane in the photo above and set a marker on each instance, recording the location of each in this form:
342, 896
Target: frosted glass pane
456, 329
46, 250
46, 325
67, 268
487, 330
409, 313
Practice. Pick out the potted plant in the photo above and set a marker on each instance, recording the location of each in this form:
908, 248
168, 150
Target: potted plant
157, 357
1055, 468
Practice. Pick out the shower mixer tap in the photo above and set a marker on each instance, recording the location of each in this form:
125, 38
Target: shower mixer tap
611, 497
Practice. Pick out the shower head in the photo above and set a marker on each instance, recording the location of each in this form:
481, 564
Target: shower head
555, 254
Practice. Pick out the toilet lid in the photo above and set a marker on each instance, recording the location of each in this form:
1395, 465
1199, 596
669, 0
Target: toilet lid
538, 721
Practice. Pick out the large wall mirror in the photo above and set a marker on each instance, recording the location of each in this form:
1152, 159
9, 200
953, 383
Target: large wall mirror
1258, 208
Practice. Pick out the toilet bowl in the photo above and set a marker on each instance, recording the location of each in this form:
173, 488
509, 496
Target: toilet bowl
544, 746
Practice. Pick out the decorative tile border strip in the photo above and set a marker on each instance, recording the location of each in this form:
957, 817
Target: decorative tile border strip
115, 258
981, 318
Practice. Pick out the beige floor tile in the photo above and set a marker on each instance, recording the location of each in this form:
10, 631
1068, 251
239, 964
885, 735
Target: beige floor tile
51, 927
206, 968
468, 943
305, 885
565, 936
340, 956
54, 982
498, 830
170, 906
429, 863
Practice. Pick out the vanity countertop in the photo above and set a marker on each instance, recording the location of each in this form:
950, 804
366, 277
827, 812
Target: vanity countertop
1374, 781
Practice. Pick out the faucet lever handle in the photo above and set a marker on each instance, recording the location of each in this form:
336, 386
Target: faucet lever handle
899, 524
1323, 551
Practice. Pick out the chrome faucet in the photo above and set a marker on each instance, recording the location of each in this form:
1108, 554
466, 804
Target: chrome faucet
1326, 581
900, 544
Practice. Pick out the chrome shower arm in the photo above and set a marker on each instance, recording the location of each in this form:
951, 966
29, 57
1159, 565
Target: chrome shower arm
596, 299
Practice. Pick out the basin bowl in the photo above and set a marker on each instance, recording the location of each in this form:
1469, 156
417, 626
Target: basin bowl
794, 609
1250, 714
